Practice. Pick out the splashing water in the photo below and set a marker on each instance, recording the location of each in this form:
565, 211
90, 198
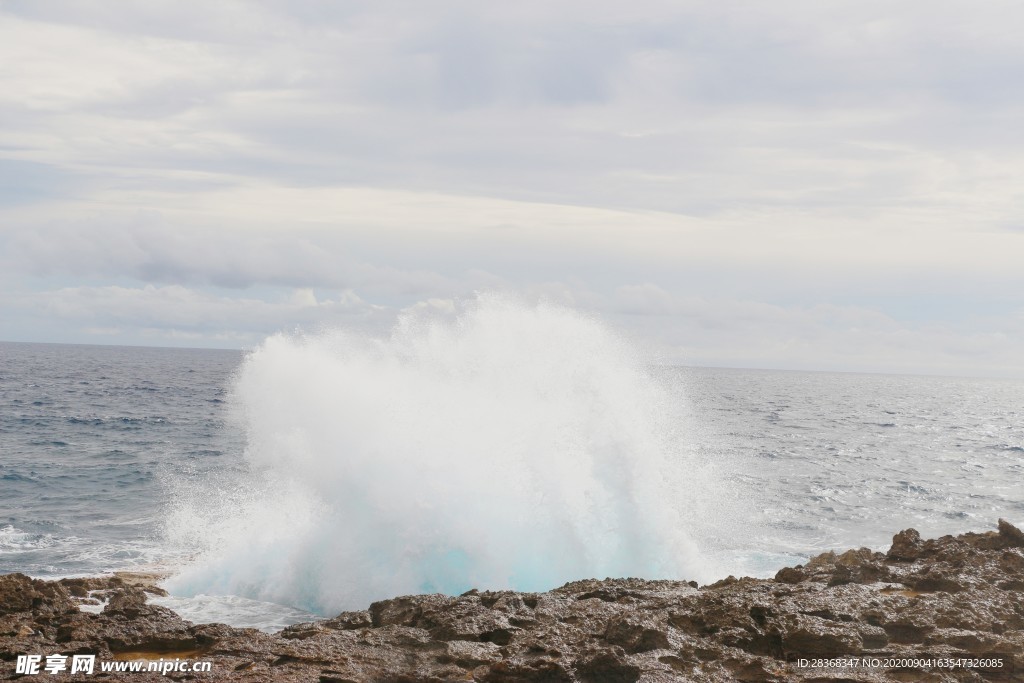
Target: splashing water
497, 446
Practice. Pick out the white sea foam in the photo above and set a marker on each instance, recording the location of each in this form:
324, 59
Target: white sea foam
236, 611
13, 539
502, 445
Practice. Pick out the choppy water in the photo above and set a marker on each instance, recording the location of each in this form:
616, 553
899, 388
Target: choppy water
839, 460
100, 446
89, 438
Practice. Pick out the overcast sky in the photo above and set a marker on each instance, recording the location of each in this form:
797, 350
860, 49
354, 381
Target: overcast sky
787, 184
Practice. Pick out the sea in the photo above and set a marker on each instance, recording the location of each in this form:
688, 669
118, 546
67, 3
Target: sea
510, 448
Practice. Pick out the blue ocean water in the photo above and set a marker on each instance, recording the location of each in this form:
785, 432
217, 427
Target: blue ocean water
89, 438
111, 457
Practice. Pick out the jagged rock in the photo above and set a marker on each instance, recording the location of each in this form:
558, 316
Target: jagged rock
790, 575
1010, 534
19, 594
637, 634
947, 597
813, 636
906, 545
129, 601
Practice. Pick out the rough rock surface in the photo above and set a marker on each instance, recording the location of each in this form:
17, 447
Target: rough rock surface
953, 598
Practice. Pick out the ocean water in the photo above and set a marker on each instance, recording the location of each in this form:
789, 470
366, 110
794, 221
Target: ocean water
502, 446
90, 436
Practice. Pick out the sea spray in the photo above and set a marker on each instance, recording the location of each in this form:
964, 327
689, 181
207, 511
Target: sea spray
500, 445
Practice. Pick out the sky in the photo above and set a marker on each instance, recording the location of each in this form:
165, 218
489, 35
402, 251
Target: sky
795, 184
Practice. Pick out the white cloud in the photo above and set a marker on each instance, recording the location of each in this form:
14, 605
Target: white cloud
773, 169
676, 328
749, 333
175, 312
425, 243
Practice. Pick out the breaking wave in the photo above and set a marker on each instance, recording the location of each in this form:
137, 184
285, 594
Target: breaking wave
493, 444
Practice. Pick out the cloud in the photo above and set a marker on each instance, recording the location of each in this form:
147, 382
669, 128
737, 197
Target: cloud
744, 167
148, 247
683, 329
26, 182
175, 312
695, 108
725, 331
429, 245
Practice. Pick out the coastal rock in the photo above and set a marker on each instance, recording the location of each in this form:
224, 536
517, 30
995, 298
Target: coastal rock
952, 597
906, 546
1010, 535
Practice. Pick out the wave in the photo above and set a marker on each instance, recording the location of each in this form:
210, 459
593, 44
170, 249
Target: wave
493, 445
13, 539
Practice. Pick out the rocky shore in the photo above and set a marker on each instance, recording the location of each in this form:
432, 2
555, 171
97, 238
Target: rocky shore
924, 611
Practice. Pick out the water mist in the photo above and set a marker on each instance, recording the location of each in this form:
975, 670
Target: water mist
500, 446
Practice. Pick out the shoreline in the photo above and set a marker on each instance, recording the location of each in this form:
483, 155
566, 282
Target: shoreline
947, 609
